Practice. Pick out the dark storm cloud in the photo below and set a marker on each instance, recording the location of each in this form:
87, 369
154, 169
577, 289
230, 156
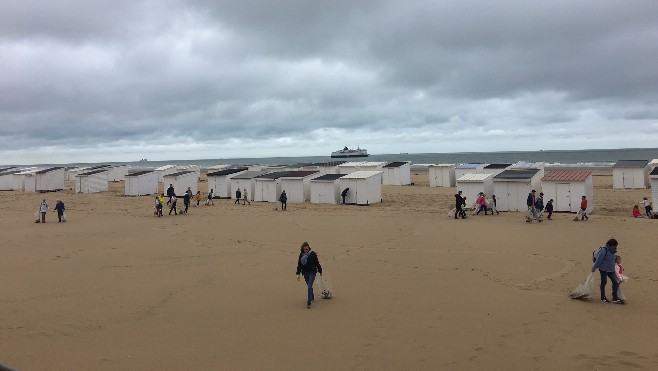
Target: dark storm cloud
101, 73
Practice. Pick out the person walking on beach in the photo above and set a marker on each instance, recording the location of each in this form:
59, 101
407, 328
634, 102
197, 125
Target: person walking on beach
197, 198
238, 196
170, 193
211, 196
459, 203
549, 208
158, 206
343, 194
43, 209
495, 205
308, 265
284, 199
172, 207
186, 201
245, 197
481, 201
583, 209
532, 211
605, 262
539, 204
648, 208
59, 207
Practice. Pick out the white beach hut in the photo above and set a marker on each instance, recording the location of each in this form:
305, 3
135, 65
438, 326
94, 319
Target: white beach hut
442, 175
164, 170
50, 179
245, 181
72, 172
25, 181
7, 178
194, 168
630, 174
92, 181
220, 181
397, 173
463, 169
472, 184
181, 181
141, 183
512, 187
654, 186
348, 167
566, 189
325, 189
116, 173
297, 185
365, 187
267, 186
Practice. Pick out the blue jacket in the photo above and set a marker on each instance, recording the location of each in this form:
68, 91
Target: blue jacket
605, 260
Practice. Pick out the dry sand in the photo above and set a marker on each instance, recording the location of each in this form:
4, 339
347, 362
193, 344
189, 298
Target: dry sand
116, 288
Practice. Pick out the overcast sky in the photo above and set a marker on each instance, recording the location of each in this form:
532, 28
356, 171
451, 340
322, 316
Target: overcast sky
121, 80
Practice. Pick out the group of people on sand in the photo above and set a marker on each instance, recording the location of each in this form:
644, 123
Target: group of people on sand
536, 207
648, 209
172, 201
43, 210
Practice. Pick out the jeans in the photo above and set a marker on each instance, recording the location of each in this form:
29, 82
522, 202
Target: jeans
283, 206
309, 277
615, 284
43, 217
59, 215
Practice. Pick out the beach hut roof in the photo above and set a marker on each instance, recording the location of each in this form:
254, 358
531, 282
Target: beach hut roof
372, 163
328, 177
92, 172
6, 168
299, 174
361, 174
7, 172
227, 171
653, 162
469, 166
497, 166
527, 165
138, 173
98, 167
442, 165
272, 176
397, 164
43, 171
654, 172
517, 174
248, 175
165, 167
327, 164
179, 173
473, 177
631, 164
566, 176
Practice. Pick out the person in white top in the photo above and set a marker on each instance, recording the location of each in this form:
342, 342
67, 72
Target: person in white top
245, 197
43, 209
648, 208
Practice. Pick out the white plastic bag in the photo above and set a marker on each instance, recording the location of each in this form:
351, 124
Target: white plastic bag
620, 293
63, 217
586, 288
37, 216
324, 284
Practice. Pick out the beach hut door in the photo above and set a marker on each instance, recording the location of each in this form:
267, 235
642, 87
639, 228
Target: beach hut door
628, 179
563, 197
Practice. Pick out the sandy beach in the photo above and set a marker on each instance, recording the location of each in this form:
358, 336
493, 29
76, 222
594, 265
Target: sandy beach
116, 288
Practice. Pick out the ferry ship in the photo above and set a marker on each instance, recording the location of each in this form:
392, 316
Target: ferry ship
347, 153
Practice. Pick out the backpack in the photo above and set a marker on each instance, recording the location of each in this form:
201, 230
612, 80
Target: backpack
595, 253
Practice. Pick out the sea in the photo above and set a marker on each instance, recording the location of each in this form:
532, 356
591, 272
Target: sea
590, 157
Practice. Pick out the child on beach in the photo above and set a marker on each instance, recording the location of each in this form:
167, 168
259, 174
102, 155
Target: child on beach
493, 203
245, 197
636, 212
549, 208
173, 200
619, 271
197, 198
158, 206
210, 201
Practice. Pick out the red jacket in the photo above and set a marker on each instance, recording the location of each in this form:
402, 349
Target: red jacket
583, 204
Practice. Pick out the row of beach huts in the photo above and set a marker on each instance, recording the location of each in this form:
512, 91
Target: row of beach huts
511, 183
324, 182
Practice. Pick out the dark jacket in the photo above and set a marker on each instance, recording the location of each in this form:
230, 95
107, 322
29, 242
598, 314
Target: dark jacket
283, 198
459, 201
312, 264
186, 199
344, 193
539, 204
60, 207
238, 194
531, 200
549, 206
170, 191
